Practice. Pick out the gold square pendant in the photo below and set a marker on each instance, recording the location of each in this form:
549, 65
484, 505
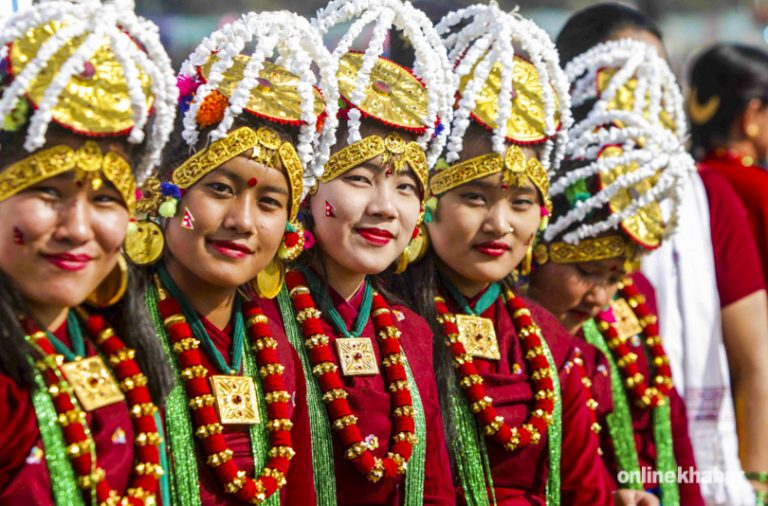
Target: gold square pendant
627, 324
93, 383
478, 336
235, 399
356, 356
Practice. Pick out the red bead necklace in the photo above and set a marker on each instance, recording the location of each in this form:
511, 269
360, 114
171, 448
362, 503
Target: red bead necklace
481, 404
207, 423
645, 396
81, 448
326, 370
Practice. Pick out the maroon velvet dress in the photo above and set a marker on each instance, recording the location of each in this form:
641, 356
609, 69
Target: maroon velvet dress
236, 436
750, 184
520, 477
369, 400
642, 421
24, 477
737, 262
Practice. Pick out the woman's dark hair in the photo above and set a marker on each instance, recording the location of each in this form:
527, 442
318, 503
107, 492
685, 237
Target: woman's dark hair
725, 77
596, 24
418, 285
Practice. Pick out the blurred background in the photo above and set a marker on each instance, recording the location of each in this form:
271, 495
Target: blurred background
687, 25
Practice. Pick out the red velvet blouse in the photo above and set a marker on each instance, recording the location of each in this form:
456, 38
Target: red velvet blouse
520, 477
369, 400
739, 235
300, 471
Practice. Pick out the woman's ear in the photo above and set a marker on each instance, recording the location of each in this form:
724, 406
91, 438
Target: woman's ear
752, 118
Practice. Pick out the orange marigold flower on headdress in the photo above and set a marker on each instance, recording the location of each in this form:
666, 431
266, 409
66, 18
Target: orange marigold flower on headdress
212, 109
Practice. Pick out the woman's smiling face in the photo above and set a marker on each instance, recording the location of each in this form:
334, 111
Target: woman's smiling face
60, 238
364, 218
482, 229
238, 214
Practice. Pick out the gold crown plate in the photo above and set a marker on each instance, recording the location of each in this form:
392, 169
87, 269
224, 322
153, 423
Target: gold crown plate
515, 168
526, 123
393, 95
266, 148
587, 250
393, 149
276, 97
624, 99
95, 100
646, 225
87, 161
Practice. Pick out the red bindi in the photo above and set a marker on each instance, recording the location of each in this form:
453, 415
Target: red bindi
504, 186
389, 172
253, 182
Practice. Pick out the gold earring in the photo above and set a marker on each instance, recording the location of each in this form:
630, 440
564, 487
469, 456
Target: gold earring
113, 287
144, 242
292, 244
269, 281
525, 266
541, 254
414, 252
752, 130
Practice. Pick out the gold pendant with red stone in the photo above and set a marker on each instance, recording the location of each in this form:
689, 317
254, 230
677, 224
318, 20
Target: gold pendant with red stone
478, 336
356, 356
235, 399
93, 384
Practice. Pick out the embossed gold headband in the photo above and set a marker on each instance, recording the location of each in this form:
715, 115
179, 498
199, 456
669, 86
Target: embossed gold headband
267, 148
88, 162
394, 149
514, 166
588, 250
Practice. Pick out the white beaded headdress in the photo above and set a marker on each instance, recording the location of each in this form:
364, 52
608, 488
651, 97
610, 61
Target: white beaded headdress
278, 38
637, 118
431, 65
480, 37
51, 48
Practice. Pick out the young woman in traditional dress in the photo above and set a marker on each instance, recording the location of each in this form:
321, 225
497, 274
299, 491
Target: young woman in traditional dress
227, 196
511, 400
729, 126
712, 309
373, 413
625, 167
87, 103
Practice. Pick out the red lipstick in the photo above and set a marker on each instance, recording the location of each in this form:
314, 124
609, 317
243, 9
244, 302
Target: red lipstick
375, 236
492, 248
231, 249
69, 261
